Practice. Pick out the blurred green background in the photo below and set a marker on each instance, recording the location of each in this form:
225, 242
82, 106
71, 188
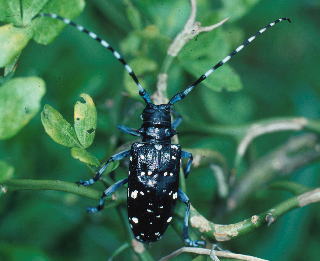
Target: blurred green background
277, 76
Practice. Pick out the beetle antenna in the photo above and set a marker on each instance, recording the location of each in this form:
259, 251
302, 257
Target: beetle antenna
181, 95
142, 92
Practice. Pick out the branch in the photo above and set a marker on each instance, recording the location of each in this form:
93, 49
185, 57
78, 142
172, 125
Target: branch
191, 29
208, 229
58, 185
205, 251
297, 152
219, 232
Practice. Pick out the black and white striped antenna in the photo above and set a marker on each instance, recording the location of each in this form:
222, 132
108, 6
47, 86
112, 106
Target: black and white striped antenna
181, 95
142, 92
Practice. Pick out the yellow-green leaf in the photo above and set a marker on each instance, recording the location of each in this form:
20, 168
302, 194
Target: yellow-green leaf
20, 12
58, 128
85, 120
84, 156
19, 102
12, 41
46, 28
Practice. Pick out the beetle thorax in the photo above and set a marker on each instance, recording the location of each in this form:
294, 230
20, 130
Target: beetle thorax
156, 125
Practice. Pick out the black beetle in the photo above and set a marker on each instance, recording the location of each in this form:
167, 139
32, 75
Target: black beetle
153, 182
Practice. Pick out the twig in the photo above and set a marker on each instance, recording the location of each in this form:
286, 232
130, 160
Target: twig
191, 29
223, 188
208, 229
258, 129
297, 152
228, 232
205, 251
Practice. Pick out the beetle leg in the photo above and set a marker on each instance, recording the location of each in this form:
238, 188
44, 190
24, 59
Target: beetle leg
176, 122
129, 130
110, 190
189, 242
97, 176
187, 155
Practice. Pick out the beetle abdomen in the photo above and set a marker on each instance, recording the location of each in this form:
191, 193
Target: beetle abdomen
152, 188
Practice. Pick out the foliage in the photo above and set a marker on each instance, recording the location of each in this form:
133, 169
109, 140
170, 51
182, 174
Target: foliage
277, 77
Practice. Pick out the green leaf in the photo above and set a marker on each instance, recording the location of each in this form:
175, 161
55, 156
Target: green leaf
140, 66
84, 156
20, 12
19, 102
85, 120
58, 128
201, 54
235, 9
133, 16
46, 28
12, 41
6, 171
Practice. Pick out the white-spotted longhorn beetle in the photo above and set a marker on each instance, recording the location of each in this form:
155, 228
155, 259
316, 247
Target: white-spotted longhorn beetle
153, 182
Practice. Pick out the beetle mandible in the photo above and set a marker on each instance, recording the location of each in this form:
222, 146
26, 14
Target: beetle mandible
153, 181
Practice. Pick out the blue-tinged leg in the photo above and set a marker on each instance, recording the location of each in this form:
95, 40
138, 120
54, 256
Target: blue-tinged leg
187, 155
129, 130
192, 243
109, 191
176, 122
97, 176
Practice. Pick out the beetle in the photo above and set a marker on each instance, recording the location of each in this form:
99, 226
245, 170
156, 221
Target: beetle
153, 180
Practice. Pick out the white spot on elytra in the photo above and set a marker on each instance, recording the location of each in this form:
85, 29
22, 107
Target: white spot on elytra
165, 174
139, 145
150, 223
141, 157
157, 234
161, 207
134, 194
175, 146
131, 226
173, 157
142, 173
141, 192
142, 234
170, 193
169, 219
135, 220
175, 195
149, 210
149, 172
130, 158
158, 147
171, 174
150, 204
158, 216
